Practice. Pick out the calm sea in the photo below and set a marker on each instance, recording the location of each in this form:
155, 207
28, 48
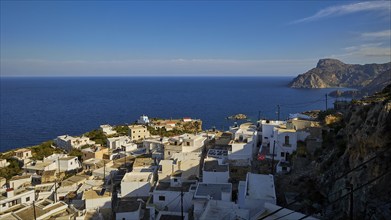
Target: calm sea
34, 110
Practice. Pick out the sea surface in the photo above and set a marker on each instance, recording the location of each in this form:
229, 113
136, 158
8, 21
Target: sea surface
33, 110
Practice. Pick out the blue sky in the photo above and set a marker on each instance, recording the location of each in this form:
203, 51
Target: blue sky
254, 38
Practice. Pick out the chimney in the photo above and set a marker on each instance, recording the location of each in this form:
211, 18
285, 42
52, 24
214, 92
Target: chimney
10, 192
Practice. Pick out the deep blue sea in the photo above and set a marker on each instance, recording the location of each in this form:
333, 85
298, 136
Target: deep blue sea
34, 110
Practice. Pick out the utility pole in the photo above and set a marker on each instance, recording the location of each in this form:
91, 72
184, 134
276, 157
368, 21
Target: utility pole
104, 171
35, 214
58, 164
274, 147
55, 190
182, 203
326, 101
278, 112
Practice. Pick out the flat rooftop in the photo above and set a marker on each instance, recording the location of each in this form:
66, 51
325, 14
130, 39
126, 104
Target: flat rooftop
214, 166
20, 177
217, 153
137, 177
143, 162
166, 186
213, 190
261, 186
129, 204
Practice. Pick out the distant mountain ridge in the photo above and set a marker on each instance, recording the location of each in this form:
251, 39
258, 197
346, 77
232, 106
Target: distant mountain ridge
329, 73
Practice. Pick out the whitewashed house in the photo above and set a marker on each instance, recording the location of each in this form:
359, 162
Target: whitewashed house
100, 199
63, 162
188, 164
38, 167
167, 196
45, 191
117, 142
13, 197
217, 209
67, 142
136, 184
283, 142
17, 181
215, 171
43, 209
155, 146
210, 191
255, 192
244, 143
22, 154
129, 209
107, 129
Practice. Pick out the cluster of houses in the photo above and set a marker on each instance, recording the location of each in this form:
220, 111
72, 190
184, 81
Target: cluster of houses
205, 175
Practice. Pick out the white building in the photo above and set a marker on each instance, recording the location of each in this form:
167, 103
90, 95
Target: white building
118, 142
67, 142
155, 146
14, 197
244, 143
43, 209
216, 209
255, 191
38, 167
4, 163
215, 171
129, 209
136, 184
167, 196
267, 127
144, 165
63, 162
143, 120
17, 181
97, 199
283, 142
188, 164
107, 129
45, 191
192, 143
210, 191
23, 154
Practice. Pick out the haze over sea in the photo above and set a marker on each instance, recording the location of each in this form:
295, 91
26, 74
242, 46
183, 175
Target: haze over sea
38, 109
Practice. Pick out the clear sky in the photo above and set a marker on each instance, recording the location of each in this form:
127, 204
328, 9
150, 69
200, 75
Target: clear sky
121, 38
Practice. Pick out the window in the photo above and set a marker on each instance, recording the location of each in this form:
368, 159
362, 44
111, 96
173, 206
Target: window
5, 204
27, 199
175, 180
284, 168
282, 154
71, 163
286, 140
162, 198
134, 131
266, 138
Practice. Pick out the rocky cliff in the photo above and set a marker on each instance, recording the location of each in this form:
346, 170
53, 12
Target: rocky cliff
334, 73
360, 154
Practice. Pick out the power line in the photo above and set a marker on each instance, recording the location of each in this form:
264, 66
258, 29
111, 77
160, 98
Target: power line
362, 164
347, 194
